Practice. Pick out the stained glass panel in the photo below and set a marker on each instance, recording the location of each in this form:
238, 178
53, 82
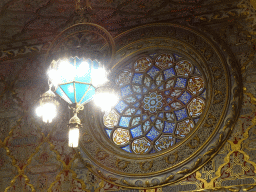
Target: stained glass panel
168, 127
141, 146
121, 136
153, 72
185, 97
125, 91
152, 134
181, 114
184, 127
163, 61
195, 85
127, 148
124, 121
111, 119
142, 64
121, 106
196, 107
162, 99
137, 78
181, 82
124, 78
169, 73
136, 132
164, 142
184, 68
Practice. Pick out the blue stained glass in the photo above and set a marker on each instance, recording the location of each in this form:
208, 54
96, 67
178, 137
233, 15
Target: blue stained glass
108, 131
167, 108
169, 116
145, 90
152, 118
169, 73
152, 134
204, 94
168, 127
138, 112
139, 96
137, 78
136, 89
137, 104
136, 132
129, 111
125, 91
167, 92
63, 95
177, 57
130, 100
69, 90
181, 114
196, 120
89, 95
127, 148
147, 81
178, 140
144, 117
185, 97
124, 121
121, 106
80, 90
153, 86
153, 72
197, 72
181, 82
169, 100
135, 121
161, 87
146, 126
161, 115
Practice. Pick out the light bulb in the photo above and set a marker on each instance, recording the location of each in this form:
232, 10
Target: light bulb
83, 69
73, 137
54, 77
47, 111
99, 77
106, 100
66, 72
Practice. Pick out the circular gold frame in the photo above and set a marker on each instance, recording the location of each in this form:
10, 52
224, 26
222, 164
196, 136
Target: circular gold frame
211, 146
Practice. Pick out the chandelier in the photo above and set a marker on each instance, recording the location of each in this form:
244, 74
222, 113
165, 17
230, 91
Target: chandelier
77, 74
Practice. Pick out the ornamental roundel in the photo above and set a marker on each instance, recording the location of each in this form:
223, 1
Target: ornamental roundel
162, 99
180, 95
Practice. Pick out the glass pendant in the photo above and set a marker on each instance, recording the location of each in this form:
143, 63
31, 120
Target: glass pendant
47, 108
106, 97
74, 125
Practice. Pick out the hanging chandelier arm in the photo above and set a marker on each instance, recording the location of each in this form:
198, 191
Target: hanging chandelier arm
76, 107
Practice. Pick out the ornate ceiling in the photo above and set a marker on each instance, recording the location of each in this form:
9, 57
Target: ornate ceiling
30, 22
33, 157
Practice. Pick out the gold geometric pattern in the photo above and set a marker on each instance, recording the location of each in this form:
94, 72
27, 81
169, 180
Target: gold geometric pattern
121, 136
111, 119
196, 107
195, 85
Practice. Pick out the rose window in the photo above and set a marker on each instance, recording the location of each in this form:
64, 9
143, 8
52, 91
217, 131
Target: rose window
162, 99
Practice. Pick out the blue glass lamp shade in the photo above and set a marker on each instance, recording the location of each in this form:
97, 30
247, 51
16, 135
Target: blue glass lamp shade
73, 79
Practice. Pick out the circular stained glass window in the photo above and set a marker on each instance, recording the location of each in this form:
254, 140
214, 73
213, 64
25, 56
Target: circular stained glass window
162, 99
